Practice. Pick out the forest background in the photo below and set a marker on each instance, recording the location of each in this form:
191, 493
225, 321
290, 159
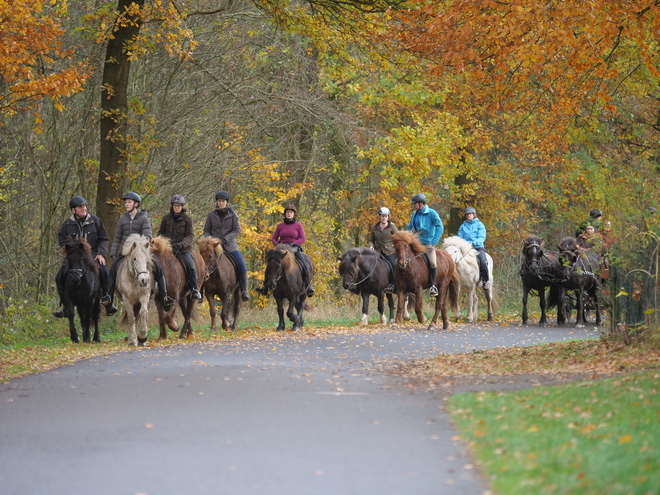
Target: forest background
533, 113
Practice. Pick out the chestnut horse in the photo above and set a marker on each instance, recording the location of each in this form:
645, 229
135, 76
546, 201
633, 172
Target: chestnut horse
177, 288
412, 276
220, 281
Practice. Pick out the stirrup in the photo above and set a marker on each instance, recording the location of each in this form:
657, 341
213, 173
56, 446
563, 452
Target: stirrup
389, 289
106, 299
261, 290
62, 313
433, 291
245, 296
195, 295
310, 291
110, 310
168, 302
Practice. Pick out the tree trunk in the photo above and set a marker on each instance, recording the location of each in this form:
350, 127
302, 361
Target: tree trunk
114, 109
456, 214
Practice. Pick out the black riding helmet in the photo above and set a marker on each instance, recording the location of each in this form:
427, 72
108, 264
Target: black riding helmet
418, 198
595, 213
131, 195
222, 195
77, 201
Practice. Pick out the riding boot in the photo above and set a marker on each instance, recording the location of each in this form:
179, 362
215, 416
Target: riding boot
307, 281
107, 284
243, 282
168, 302
433, 290
194, 291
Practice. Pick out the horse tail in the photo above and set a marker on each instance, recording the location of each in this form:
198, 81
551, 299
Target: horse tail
454, 289
554, 296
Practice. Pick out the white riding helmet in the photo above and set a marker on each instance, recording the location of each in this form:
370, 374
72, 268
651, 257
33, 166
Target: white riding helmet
384, 211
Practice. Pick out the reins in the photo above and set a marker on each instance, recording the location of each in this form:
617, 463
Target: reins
355, 284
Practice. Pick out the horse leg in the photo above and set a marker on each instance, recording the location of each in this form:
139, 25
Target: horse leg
390, 303
406, 308
96, 313
293, 317
280, 313
130, 319
440, 307
186, 330
525, 315
365, 308
597, 302
419, 304
85, 321
472, 299
300, 307
72, 327
400, 306
210, 298
142, 318
543, 320
381, 307
236, 309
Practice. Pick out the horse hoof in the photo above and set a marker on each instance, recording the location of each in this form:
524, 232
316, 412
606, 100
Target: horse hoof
279, 329
132, 344
391, 322
75, 341
406, 318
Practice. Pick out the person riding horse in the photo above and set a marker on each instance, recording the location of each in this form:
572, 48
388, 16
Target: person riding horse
223, 224
473, 231
426, 221
290, 231
177, 226
135, 221
380, 239
82, 225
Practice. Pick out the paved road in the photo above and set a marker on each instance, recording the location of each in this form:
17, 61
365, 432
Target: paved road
311, 413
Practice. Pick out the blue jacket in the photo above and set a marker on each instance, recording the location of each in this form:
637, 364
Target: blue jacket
430, 226
473, 231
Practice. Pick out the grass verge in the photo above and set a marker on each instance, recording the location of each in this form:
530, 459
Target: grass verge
589, 438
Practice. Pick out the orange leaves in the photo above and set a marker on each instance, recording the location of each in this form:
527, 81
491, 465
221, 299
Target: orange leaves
31, 41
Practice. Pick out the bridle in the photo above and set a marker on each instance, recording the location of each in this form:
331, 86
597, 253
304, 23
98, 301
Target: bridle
406, 260
353, 283
135, 270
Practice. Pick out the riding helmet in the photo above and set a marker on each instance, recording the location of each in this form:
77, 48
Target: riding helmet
177, 198
418, 198
292, 208
469, 209
222, 195
77, 201
131, 195
595, 213
384, 211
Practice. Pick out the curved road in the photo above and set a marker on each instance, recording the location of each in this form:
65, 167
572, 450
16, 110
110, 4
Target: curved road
297, 414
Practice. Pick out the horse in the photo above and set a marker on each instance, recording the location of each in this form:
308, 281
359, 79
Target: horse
220, 281
540, 269
135, 286
177, 288
284, 279
82, 288
467, 266
412, 274
365, 272
581, 275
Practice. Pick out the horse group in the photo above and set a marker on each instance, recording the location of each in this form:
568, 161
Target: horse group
366, 273
570, 274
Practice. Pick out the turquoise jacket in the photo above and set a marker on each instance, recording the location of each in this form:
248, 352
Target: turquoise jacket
427, 223
473, 231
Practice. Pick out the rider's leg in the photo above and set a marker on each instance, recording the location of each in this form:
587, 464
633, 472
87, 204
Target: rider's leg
392, 261
483, 267
192, 280
305, 273
433, 270
106, 285
168, 302
241, 274
60, 279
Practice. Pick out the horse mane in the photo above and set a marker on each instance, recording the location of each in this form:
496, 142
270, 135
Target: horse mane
356, 251
288, 261
131, 240
162, 246
409, 238
86, 252
465, 248
210, 244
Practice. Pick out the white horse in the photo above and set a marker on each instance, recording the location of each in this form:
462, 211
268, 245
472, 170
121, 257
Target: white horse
467, 266
135, 286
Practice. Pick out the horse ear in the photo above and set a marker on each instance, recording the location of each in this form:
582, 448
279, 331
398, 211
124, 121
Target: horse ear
339, 258
147, 243
281, 254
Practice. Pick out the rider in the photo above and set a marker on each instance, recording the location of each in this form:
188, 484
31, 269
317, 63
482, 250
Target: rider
290, 231
135, 221
82, 225
380, 239
223, 223
178, 227
427, 223
474, 232
595, 219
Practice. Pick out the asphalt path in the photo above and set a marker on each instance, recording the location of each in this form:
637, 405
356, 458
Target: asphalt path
316, 412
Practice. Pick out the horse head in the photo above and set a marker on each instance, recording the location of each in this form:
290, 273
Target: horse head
278, 262
533, 253
79, 256
569, 255
407, 247
349, 269
136, 249
211, 250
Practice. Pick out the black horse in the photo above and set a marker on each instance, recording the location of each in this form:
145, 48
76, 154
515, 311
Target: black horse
82, 288
284, 279
582, 276
365, 272
540, 269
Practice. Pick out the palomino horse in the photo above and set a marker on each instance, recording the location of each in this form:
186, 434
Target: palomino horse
582, 276
365, 272
82, 288
135, 286
284, 279
540, 269
412, 275
177, 288
467, 266
220, 281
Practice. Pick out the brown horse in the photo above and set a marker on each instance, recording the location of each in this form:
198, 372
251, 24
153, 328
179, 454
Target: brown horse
412, 275
177, 288
220, 281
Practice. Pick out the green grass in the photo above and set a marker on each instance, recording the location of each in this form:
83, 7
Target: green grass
587, 438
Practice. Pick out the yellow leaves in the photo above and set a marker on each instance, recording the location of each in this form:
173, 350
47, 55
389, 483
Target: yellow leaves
625, 439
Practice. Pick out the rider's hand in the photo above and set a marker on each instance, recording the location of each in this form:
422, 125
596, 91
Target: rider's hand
100, 258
